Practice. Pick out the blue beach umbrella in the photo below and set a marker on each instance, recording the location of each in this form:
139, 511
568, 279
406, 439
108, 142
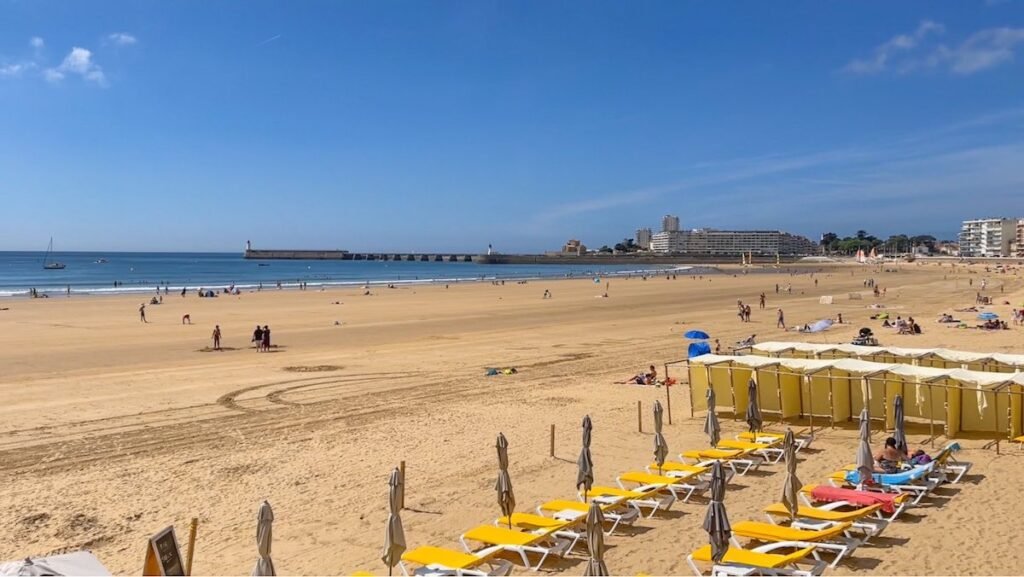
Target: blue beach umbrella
697, 335
988, 316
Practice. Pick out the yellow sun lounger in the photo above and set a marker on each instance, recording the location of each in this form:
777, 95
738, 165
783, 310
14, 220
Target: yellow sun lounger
760, 560
766, 437
738, 460
439, 560
674, 469
863, 519
541, 525
900, 500
651, 498
566, 510
770, 451
517, 542
680, 487
831, 539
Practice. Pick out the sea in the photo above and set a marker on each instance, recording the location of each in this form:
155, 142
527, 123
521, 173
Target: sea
144, 272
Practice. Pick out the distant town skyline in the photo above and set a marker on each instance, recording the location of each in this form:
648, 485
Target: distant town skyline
404, 126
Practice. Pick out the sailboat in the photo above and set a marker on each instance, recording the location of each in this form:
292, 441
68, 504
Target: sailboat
47, 265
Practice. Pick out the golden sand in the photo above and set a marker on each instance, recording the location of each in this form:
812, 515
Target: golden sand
111, 429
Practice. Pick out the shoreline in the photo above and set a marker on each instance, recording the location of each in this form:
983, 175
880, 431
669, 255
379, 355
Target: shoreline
249, 287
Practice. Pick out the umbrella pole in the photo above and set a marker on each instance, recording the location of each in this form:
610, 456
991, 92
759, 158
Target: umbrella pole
192, 528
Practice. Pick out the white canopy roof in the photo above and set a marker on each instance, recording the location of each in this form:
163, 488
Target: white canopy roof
979, 379
861, 351
77, 563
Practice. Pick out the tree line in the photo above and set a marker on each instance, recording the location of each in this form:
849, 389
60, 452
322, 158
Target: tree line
863, 241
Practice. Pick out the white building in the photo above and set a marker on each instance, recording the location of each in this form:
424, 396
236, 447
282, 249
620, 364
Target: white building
1019, 248
668, 241
643, 238
733, 242
987, 237
669, 223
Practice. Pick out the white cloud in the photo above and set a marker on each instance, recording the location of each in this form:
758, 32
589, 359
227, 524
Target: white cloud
16, 69
885, 52
982, 50
36, 42
122, 38
906, 53
79, 61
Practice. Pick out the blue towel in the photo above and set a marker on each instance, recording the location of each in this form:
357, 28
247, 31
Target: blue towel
901, 478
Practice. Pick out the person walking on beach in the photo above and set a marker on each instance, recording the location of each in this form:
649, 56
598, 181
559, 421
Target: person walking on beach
142, 313
782, 320
216, 337
257, 337
266, 338
763, 301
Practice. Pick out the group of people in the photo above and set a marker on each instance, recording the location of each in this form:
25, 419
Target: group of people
904, 327
261, 337
744, 311
892, 456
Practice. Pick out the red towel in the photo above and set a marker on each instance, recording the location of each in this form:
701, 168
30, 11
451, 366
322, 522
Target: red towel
865, 498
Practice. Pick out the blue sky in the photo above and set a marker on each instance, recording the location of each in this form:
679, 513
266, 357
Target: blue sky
385, 125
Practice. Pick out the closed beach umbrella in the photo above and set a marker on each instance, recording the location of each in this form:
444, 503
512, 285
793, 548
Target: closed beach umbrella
900, 434
506, 499
264, 521
791, 486
585, 464
595, 541
711, 427
753, 408
696, 335
660, 444
394, 539
716, 522
865, 461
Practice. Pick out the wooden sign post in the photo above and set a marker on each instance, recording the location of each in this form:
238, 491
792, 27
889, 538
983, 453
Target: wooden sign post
163, 556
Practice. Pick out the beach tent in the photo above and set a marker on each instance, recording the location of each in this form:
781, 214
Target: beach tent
939, 358
697, 349
836, 390
77, 563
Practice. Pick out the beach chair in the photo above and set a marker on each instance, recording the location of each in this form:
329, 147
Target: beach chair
739, 461
436, 561
565, 510
520, 542
915, 481
758, 561
566, 529
949, 465
802, 442
686, 470
769, 450
864, 520
653, 498
844, 499
832, 539
680, 487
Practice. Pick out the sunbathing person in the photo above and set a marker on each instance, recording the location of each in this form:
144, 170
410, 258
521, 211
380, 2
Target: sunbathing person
889, 459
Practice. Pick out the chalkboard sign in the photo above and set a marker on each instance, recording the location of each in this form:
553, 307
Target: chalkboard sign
163, 557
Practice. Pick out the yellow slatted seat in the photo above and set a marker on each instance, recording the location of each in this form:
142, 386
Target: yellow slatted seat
749, 558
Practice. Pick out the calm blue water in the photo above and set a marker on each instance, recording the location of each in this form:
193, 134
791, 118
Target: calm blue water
144, 272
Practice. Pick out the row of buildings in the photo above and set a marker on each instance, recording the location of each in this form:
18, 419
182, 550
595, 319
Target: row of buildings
707, 241
992, 237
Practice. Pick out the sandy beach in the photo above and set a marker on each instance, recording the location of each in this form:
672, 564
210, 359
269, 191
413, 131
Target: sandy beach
112, 429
